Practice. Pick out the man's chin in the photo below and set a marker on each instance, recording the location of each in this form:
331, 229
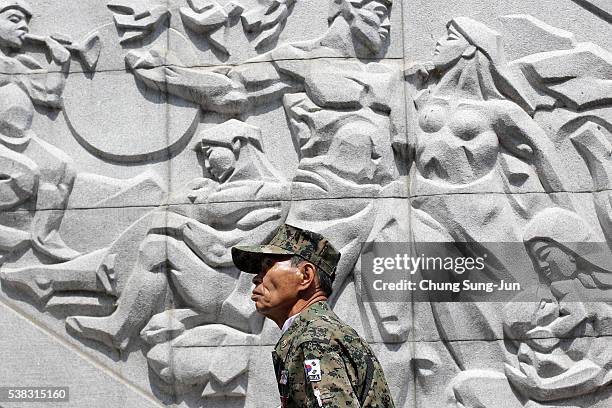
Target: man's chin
265, 311
261, 309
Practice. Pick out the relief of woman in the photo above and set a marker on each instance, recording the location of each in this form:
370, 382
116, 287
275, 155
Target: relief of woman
474, 135
476, 150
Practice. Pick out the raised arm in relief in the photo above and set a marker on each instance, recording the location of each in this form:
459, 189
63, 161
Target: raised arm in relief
221, 90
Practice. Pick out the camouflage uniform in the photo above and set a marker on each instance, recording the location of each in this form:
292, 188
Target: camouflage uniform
350, 374
319, 361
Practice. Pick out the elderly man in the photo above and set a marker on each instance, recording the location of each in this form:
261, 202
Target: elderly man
319, 360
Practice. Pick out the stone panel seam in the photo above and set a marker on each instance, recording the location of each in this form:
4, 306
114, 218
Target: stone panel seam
511, 194
241, 64
167, 206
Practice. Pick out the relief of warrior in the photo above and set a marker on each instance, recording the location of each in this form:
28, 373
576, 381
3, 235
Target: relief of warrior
35, 177
342, 111
187, 245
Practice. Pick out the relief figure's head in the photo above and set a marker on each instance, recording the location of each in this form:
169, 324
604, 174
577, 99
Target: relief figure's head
233, 151
14, 23
368, 20
450, 48
552, 260
219, 161
563, 246
481, 49
467, 38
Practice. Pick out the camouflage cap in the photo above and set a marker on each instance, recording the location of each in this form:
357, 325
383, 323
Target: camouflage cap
289, 240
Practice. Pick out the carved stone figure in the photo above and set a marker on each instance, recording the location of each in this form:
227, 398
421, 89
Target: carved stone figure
593, 143
475, 147
344, 139
549, 358
189, 245
267, 21
473, 136
188, 356
36, 177
481, 165
578, 273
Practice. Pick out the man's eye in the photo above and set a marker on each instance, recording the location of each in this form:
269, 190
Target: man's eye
14, 19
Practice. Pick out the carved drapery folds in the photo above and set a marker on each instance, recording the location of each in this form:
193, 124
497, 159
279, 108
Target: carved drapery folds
131, 161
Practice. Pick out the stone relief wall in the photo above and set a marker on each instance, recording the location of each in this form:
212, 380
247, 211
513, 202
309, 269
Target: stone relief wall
150, 136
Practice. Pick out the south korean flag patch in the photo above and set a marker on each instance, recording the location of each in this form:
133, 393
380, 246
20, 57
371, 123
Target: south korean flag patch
313, 370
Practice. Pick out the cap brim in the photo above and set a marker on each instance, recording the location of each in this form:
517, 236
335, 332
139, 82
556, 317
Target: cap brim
248, 258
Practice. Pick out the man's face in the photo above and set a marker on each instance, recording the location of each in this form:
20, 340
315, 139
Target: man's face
449, 48
276, 286
219, 161
371, 25
13, 27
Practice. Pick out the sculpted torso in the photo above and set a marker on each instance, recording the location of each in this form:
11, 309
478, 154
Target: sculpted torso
48, 165
456, 142
344, 136
36, 177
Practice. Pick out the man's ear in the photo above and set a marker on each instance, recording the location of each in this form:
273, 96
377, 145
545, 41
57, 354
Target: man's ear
309, 275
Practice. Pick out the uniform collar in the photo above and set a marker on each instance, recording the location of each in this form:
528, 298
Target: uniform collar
289, 322
298, 325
